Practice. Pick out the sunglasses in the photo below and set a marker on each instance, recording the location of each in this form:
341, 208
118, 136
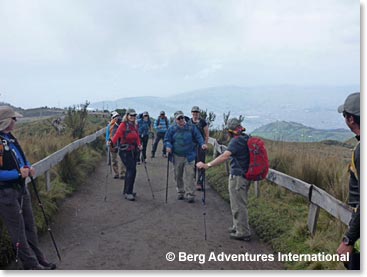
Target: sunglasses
14, 118
345, 114
180, 118
132, 114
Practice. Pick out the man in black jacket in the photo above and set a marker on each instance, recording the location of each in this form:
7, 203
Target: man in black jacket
351, 240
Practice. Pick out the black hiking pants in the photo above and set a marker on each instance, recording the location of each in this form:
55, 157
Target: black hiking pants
129, 160
160, 136
144, 141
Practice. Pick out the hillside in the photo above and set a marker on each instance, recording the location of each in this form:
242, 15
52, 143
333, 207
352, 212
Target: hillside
36, 112
296, 132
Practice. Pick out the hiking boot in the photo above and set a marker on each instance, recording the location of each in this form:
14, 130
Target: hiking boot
47, 265
190, 199
153, 155
199, 187
138, 163
180, 197
115, 177
232, 230
129, 197
237, 236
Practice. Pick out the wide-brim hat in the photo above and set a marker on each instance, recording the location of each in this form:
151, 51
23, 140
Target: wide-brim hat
131, 112
6, 115
178, 114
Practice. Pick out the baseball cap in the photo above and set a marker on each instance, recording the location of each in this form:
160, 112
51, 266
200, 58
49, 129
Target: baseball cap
195, 109
351, 104
178, 114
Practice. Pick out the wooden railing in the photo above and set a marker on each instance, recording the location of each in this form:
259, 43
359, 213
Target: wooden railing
317, 197
44, 166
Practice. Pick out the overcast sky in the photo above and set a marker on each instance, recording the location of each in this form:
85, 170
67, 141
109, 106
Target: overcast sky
60, 53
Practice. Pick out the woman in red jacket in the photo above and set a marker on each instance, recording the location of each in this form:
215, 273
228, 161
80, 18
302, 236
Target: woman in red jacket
127, 140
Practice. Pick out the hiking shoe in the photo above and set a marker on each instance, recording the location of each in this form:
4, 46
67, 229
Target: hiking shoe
239, 237
129, 197
180, 197
115, 177
47, 265
153, 155
190, 200
232, 230
199, 187
138, 163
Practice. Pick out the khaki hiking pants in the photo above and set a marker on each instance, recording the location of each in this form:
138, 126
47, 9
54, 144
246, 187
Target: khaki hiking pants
238, 188
115, 164
184, 176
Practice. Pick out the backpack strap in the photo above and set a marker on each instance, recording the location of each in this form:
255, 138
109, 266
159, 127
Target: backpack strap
352, 166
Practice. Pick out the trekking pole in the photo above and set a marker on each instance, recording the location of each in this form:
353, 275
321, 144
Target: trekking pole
150, 185
167, 176
45, 217
203, 200
110, 166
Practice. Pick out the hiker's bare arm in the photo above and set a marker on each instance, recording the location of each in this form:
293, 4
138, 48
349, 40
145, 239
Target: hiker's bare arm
219, 160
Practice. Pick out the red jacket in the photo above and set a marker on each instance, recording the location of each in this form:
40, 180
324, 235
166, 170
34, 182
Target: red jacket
131, 137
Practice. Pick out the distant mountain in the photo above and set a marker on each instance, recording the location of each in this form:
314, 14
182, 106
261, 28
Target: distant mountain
313, 106
35, 112
296, 132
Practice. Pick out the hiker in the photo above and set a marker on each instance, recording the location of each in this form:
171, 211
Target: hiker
161, 126
127, 135
15, 200
145, 127
238, 185
110, 132
180, 140
351, 239
204, 131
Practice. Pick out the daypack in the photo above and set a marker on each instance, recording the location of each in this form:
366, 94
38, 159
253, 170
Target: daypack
259, 162
165, 119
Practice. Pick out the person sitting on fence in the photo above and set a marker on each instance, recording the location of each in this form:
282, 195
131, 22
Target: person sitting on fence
351, 240
127, 135
110, 132
15, 200
204, 131
238, 185
161, 126
145, 127
180, 140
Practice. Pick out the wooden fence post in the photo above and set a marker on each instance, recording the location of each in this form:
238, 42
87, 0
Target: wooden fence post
313, 216
48, 180
257, 189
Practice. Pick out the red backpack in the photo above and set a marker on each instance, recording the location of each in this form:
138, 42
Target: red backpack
259, 162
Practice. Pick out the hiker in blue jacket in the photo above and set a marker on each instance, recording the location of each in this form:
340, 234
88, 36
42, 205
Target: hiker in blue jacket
161, 126
180, 140
145, 127
15, 199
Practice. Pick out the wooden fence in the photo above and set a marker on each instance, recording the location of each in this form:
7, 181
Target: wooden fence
44, 166
317, 197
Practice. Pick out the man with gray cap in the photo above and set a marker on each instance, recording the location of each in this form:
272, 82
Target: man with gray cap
238, 185
351, 240
15, 200
180, 140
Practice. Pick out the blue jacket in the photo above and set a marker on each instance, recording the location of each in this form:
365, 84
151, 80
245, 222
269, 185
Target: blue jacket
144, 127
183, 140
163, 122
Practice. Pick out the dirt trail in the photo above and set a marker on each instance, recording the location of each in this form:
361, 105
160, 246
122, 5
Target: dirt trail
123, 235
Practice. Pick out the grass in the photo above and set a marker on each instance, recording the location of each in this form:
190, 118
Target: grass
279, 217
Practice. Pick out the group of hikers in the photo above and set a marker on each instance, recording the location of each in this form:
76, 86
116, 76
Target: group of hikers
185, 142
